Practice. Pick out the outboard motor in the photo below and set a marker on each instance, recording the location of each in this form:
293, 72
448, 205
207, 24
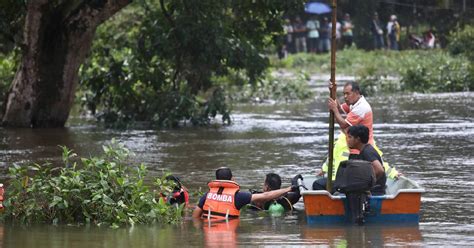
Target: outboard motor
355, 178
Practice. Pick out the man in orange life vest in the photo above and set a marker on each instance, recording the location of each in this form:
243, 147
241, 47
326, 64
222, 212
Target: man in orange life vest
224, 198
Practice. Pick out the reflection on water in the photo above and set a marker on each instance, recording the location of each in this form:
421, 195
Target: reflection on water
365, 236
219, 233
70, 236
262, 232
428, 137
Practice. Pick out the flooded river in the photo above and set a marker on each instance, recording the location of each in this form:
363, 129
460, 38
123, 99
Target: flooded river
429, 137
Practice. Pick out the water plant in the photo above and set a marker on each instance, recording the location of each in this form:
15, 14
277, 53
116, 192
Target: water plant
101, 190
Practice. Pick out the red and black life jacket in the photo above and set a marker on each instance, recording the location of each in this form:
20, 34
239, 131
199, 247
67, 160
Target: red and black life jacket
178, 196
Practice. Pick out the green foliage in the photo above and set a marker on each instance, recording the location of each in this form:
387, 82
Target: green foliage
102, 190
389, 71
272, 87
8, 65
156, 60
461, 41
437, 72
12, 16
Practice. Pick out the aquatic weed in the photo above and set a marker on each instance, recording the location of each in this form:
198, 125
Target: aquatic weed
102, 190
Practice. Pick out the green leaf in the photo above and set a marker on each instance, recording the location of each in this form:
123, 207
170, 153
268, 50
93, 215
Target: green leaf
120, 181
107, 200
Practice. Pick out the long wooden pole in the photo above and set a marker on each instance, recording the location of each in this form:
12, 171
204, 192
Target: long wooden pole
332, 94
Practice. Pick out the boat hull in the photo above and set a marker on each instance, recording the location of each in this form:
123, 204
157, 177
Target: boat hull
403, 206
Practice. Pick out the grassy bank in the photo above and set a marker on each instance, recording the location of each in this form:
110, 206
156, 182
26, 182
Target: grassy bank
411, 70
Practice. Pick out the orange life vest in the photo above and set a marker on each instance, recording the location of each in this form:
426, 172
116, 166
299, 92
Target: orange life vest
220, 200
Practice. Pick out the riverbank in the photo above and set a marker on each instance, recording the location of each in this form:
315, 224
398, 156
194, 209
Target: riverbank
388, 71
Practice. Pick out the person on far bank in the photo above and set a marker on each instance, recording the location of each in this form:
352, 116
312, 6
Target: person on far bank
377, 32
338, 34
357, 138
393, 32
324, 36
299, 31
289, 41
224, 198
347, 35
312, 25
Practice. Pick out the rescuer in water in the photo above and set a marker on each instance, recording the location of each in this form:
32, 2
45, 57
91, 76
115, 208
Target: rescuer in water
179, 195
224, 198
273, 182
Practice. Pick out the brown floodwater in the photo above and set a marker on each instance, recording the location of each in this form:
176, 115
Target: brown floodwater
429, 137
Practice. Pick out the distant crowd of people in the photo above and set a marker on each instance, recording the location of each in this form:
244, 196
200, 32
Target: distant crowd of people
314, 35
392, 33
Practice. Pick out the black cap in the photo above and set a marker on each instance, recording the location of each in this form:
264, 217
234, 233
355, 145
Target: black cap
223, 173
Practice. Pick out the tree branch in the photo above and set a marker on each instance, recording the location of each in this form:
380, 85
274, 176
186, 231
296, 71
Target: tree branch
94, 13
166, 14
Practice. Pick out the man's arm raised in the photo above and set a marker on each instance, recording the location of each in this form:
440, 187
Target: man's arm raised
332, 104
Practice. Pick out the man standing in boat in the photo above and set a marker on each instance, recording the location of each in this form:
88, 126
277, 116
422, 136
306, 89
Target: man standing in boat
358, 111
356, 107
224, 198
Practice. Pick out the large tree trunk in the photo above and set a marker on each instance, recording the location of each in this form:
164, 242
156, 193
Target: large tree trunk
57, 38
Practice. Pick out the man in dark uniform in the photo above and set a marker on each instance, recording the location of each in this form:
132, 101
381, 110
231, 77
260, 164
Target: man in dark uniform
357, 138
273, 182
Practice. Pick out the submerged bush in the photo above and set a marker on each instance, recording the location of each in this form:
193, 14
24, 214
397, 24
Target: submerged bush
275, 87
436, 71
461, 41
102, 190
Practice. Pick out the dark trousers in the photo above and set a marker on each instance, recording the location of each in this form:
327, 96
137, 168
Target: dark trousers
347, 41
378, 41
320, 184
312, 45
393, 42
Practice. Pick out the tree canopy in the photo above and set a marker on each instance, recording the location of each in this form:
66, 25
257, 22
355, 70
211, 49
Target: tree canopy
157, 59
